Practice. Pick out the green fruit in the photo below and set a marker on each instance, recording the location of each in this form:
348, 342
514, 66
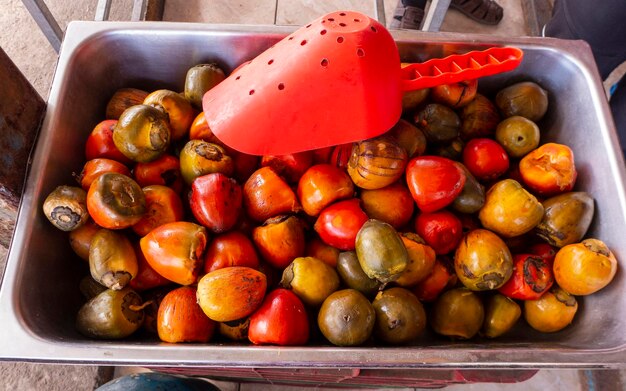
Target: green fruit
566, 218
346, 318
518, 136
526, 99
353, 276
310, 279
199, 80
457, 313
380, 251
501, 314
483, 261
111, 315
400, 317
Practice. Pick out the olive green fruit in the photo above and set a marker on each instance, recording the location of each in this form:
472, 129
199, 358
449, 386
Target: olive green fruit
472, 197
518, 136
380, 250
201, 78
439, 123
400, 317
526, 99
346, 318
510, 210
142, 133
566, 218
409, 137
501, 314
90, 288
112, 259
199, 158
111, 315
353, 276
310, 279
457, 313
66, 207
483, 261
479, 118
552, 312
412, 99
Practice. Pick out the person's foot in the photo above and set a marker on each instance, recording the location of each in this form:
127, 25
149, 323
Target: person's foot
407, 17
482, 11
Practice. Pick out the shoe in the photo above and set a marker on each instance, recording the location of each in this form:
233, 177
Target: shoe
482, 11
407, 17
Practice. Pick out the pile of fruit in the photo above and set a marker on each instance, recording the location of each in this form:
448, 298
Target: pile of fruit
456, 218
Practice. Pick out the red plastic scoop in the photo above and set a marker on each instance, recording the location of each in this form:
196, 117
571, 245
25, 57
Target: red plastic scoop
334, 81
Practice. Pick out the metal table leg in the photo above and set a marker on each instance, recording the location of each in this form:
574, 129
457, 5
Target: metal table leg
435, 12
46, 22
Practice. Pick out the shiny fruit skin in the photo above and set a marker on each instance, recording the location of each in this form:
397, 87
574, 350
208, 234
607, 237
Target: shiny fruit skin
532, 277
180, 318
266, 195
584, 268
483, 261
216, 201
455, 95
392, 204
441, 230
280, 320
400, 317
441, 277
146, 278
353, 276
321, 185
115, 201
346, 318
310, 279
80, 238
485, 158
377, 162
100, 143
552, 312
142, 133
180, 113
457, 313
230, 249
510, 210
163, 205
566, 218
518, 136
421, 260
123, 99
96, 167
280, 240
434, 182
174, 250
164, 171
381, 251
291, 166
231, 293
549, 170
111, 315
339, 224
112, 259
501, 314
315, 247
200, 158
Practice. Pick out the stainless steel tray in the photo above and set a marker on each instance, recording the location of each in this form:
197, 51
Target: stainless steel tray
39, 297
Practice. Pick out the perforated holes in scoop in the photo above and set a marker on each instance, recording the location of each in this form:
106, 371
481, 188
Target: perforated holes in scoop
251, 92
270, 62
374, 29
324, 62
303, 42
357, 20
360, 52
342, 24
331, 19
342, 14
281, 86
339, 39
322, 32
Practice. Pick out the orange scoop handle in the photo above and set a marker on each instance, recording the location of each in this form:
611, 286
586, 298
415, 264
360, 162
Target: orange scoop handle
459, 67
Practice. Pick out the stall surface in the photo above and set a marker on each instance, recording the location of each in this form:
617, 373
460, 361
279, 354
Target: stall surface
28, 48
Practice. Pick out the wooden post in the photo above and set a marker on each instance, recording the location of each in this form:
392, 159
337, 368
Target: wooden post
21, 113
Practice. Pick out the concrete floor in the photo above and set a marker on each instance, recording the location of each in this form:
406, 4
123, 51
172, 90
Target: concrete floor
22, 40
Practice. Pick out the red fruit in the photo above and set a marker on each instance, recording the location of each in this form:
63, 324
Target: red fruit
434, 182
545, 251
339, 224
147, 277
100, 143
441, 230
341, 155
163, 171
281, 320
291, 166
485, 158
230, 249
180, 318
216, 201
532, 277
